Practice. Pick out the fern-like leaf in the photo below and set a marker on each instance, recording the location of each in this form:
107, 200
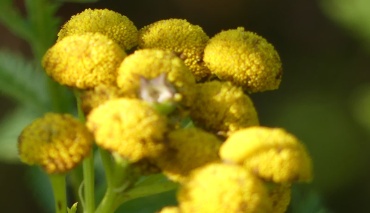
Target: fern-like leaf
20, 80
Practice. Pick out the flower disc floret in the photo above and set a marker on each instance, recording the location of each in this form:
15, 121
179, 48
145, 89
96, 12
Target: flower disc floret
109, 23
223, 188
245, 59
150, 64
222, 108
186, 40
271, 153
188, 149
129, 127
57, 142
84, 61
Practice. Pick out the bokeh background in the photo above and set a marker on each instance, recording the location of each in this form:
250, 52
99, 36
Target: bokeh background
324, 98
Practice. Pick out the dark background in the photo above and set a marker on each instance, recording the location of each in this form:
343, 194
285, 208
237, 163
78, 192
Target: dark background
326, 69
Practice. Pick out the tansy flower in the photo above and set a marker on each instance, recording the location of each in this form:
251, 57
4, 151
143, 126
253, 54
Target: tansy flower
245, 59
222, 108
109, 23
150, 64
223, 188
98, 95
280, 196
270, 153
84, 61
129, 127
186, 40
188, 149
57, 142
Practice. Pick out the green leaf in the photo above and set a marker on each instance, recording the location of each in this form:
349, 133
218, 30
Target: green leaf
153, 184
10, 128
20, 80
12, 19
73, 209
44, 25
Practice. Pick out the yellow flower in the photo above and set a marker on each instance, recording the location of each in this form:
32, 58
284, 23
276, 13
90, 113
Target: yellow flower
98, 95
129, 127
186, 40
245, 59
280, 197
223, 188
109, 23
57, 142
222, 108
84, 61
150, 64
170, 209
270, 153
188, 149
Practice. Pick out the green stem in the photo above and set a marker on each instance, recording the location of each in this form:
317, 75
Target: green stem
117, 182
87, 167
88, 173
58, 183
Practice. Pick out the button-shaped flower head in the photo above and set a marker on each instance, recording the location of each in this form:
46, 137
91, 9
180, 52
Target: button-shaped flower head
129, 127
222, 108
188, 149
109, 23
280, 196
98, 95
245, 59
84, 61
151, 64
271, 153
57, 142
186, 40
223, 188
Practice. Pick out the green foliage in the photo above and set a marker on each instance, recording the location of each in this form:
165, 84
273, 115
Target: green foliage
353, 15
17, 80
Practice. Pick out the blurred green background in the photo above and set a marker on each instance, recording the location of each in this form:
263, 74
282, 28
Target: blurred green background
324, 98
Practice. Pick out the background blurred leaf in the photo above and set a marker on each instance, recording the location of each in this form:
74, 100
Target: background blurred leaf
13, 20
361, 106
10, 128
22, 81
44, 25
352, 14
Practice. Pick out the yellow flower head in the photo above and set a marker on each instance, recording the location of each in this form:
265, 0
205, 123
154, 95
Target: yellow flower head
109, 23
189, 148
280, 197
150, 64
170, 209
245, 59
222, 108
57, 142
186, 40
129, 127
223, 188
98, 95
270, 153
84, 61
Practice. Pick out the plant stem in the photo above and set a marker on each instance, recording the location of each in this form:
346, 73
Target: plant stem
58, 183
87, 167
88, 173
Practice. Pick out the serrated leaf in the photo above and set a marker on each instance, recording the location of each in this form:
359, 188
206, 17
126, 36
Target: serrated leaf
20, 80
13, 20
10, 128
44, 25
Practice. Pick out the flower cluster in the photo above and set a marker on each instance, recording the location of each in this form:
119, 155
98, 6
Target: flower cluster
178, 102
